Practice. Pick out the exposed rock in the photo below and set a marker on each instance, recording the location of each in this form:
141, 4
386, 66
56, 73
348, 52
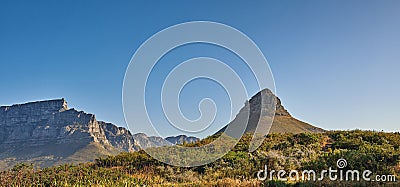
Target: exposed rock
182, 139
48, 129
119, 137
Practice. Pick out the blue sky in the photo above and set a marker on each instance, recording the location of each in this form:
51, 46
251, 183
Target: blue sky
335, 63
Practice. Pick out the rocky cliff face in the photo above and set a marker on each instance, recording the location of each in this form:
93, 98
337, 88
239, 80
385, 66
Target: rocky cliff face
49, 133
119, 137
48, 129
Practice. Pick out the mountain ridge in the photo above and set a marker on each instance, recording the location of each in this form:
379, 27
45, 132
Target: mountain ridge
49, 133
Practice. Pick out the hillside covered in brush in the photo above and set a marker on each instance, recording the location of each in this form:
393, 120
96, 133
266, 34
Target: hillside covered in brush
375, 151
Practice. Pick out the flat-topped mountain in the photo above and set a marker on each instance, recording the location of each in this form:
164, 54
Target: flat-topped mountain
48, 133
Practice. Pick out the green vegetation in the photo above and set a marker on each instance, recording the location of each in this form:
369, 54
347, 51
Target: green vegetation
375, 151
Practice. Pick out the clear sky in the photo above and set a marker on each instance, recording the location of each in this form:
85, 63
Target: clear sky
335, 63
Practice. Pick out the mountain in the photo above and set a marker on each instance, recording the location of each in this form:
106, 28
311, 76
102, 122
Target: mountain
283, 122
49, 133
145, 141
182, 139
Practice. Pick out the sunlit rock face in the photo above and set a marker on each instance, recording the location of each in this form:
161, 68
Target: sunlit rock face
51, 130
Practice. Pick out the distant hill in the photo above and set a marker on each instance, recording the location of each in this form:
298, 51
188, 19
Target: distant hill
283, 122
182, 139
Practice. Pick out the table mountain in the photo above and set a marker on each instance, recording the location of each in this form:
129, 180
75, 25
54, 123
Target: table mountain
48, 133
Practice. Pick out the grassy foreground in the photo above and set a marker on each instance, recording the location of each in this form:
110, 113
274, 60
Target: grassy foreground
378, 152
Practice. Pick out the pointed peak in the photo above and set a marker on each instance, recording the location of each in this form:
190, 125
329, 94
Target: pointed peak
263, 99
266, 91
263, 93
